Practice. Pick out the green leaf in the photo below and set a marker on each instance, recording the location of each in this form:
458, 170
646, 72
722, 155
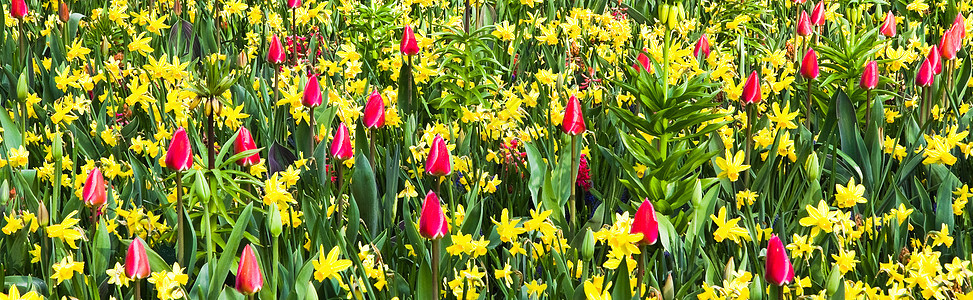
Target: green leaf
538, 170
229, 252
366, 195
11, 134
425, 280
100, 252
623, 289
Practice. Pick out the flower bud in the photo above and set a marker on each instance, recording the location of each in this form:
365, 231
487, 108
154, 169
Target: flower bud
812, 167
202, 189
673, 16
275, 223
668, 289
63, 12
22, 86
588, 246
43, 216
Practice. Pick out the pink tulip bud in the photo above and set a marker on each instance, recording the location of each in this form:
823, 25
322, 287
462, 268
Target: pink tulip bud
438, 161
275, 55
779, 270
293, 4
960, 22
244, 142
432, 221
248, 278
312, 92
951, 41
646, 223
702, 44
18, 9
809, 66
751, 89
869, 76
804, 25
817, 14
341, 145
136, 261
800, 1
374, 111
925, 74
573, 122
408, 45
94, 194
934, 60
888, 26
179, 157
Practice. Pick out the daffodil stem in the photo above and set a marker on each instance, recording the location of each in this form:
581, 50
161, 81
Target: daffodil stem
434, 265
180, 227
575, 164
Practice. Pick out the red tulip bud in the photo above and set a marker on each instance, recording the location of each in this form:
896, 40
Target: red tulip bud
934, 60
244, 142
341, 145
817, 14
869, 76
136, 261
275, 55
18, 9
408, 44
951, 41
804, 25
646, 223
573, 122
94, 194
751, 89
925, 74
701, 45
888, 26
293, 4
779, 270
438, 160
642, 63
179, 157
960, 22
432, 221
375, 110
800, 1
248, 278
809, 66
312, 92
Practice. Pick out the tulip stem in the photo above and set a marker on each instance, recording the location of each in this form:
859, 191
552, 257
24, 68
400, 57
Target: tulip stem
868, 107
341, 185
371, 149
180, 227
641, 268
749, 140
314, 137
575, 162
435, 268
274, 269
138, 289
807, 118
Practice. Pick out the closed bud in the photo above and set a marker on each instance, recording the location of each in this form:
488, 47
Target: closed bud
669, 289
43, 216
177, 7
22, 86
63, 12
663, 13
242, 60
202, 189
812, 167
588, 246
673, 16
275, 223
105, 45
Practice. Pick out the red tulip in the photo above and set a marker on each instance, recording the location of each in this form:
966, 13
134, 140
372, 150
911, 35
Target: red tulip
136, 261
375, 110
248, 278
438, 160
751, 89
934, 60
341, 145
244, 142
275, 55
432, 221
800, 1
869, 76
642, 63
94, 194
779, 270
573, 122
804, 25
179, 157
18, 9
925, 75
951, 42
408, 45
312, 92
646, 223
817, 14
293, 4
809, 66
960, 22
702, 44
888, 27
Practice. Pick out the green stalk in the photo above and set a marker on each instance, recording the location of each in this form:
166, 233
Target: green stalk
138, 289
749, 141
341, 185
371, 150
435, 268
868, 107
575, 164
274, 268
807, 118
641, 269
180, 226
207, 224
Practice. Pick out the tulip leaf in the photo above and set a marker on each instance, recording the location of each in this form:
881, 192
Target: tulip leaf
279, 158
366, 194
25, 284
425, 281
622, 286
231, 294
100, 252
538, 170
11, 136
229, 252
